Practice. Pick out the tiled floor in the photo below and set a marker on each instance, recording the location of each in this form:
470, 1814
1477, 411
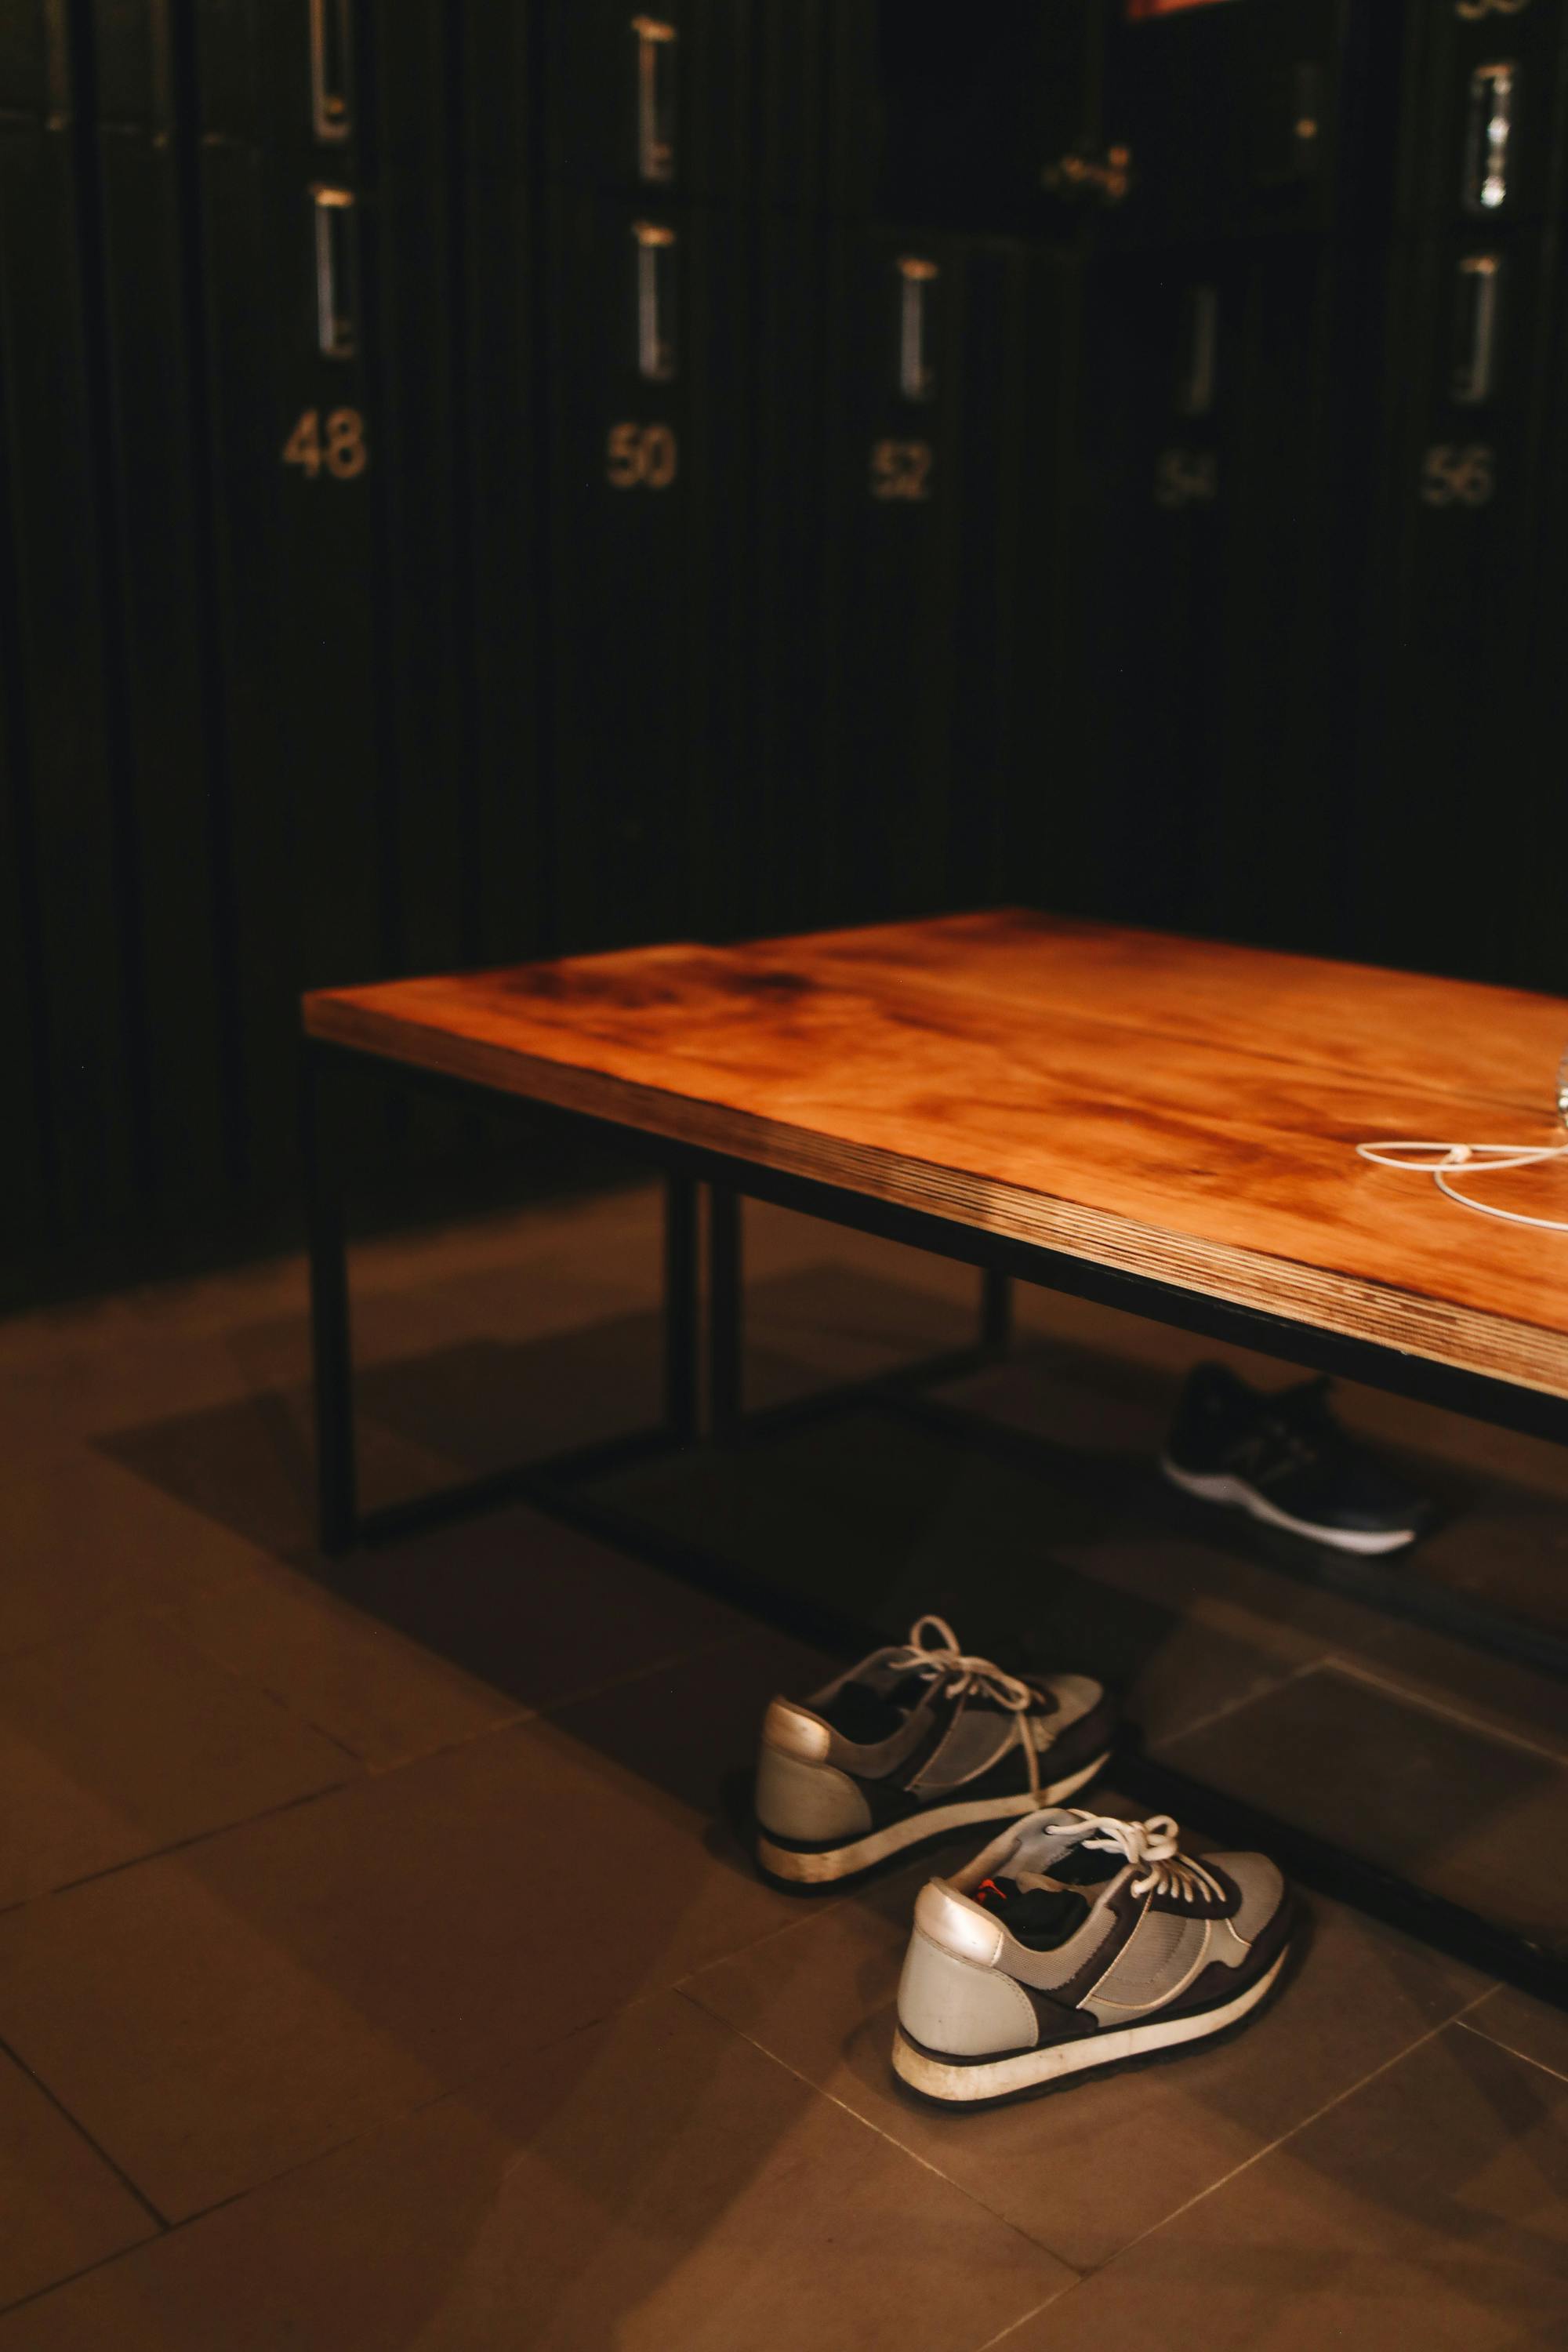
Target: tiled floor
379, 1965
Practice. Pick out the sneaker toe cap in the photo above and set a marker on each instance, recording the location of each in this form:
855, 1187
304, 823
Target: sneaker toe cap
1076, 1696
1261, 1887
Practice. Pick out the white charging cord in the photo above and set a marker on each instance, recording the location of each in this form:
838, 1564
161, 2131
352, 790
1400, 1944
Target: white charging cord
1477, 1159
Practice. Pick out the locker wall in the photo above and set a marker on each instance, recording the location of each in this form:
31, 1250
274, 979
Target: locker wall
482, 478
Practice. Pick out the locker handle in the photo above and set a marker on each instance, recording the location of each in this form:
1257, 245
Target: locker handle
655, 300
332, 115
916, 370
1479, 299
656, 100
336, 334
1196, 381
1488, 128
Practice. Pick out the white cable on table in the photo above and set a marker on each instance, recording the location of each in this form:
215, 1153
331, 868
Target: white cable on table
1479, 1159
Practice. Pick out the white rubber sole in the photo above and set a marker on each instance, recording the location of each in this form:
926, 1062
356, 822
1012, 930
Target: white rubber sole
1004, 2077
847, 1861
1219, 1488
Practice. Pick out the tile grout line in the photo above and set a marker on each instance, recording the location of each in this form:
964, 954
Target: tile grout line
1233, 1706
1480, 2034
182, 1845
1416, 1698
1296, 2128
820, 2091
1024, 2318
550, 1708
38, 2083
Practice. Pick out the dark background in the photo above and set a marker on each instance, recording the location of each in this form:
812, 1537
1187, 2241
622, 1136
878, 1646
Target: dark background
1067, 452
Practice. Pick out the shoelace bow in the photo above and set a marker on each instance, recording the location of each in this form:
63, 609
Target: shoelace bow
1152, 1843
943, 1661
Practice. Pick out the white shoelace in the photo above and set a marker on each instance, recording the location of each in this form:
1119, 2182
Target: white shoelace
945, 1662
1153, 1844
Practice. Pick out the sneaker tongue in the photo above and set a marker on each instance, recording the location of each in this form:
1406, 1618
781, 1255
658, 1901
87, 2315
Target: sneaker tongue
1065, 1856
1040, 1915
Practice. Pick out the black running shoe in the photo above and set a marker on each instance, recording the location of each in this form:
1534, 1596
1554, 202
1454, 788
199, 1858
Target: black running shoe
1283, 1457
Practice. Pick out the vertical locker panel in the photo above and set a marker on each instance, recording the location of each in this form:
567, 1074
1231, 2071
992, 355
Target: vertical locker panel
501, 466
24, 1197
1297, 474
160, 643
261, 893
989, 555
1032, 605
1157, 413
326, 457
1455, 791
1453, 783
327, 249
889, 585
411, 329
294, 447
1534, 829
66, 822
644, 322
771, 814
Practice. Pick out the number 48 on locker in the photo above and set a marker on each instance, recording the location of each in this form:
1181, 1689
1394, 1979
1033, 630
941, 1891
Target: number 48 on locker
340, 450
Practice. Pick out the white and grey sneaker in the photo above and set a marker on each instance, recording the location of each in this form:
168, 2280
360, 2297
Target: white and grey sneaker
916, 1741
1077, 1940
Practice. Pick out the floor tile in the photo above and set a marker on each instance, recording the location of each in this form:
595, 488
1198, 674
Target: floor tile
1440, 1801
653, 2184
1086, 2169
538, 1611
61, 2208
85, 1537
57, 1400
1494, 1695
1427, 2210
233, 2008
382, 1696
692, 1730
1531, 2028
125, 1740
247, 1464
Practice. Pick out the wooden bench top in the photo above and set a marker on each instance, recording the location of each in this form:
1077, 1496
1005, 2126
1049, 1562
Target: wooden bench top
1175, 1110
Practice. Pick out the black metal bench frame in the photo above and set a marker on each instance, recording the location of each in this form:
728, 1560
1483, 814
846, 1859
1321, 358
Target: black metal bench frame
710, 1343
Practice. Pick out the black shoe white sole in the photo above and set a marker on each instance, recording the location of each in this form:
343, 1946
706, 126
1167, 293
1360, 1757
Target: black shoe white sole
974, 2080
794, 1866
1219, 1487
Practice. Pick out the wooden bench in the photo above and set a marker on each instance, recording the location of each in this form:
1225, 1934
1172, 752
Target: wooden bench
1161, 1124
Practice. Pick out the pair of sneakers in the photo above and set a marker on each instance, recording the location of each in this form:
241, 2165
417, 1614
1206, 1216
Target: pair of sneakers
1074, 1940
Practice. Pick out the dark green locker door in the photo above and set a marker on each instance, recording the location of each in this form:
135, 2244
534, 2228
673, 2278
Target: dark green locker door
1028, 625
1458, 775
772, 810
1155, 421
644, 326
327, 246
889, 584
497, 292
66, 820
1458, 717
162, 645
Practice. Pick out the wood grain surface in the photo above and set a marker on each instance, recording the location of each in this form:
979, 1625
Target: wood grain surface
1170, 1107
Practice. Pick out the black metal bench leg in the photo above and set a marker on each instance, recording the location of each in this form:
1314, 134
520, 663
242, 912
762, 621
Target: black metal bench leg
337, 1505
680, 1307
995, 1313
724, 1310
